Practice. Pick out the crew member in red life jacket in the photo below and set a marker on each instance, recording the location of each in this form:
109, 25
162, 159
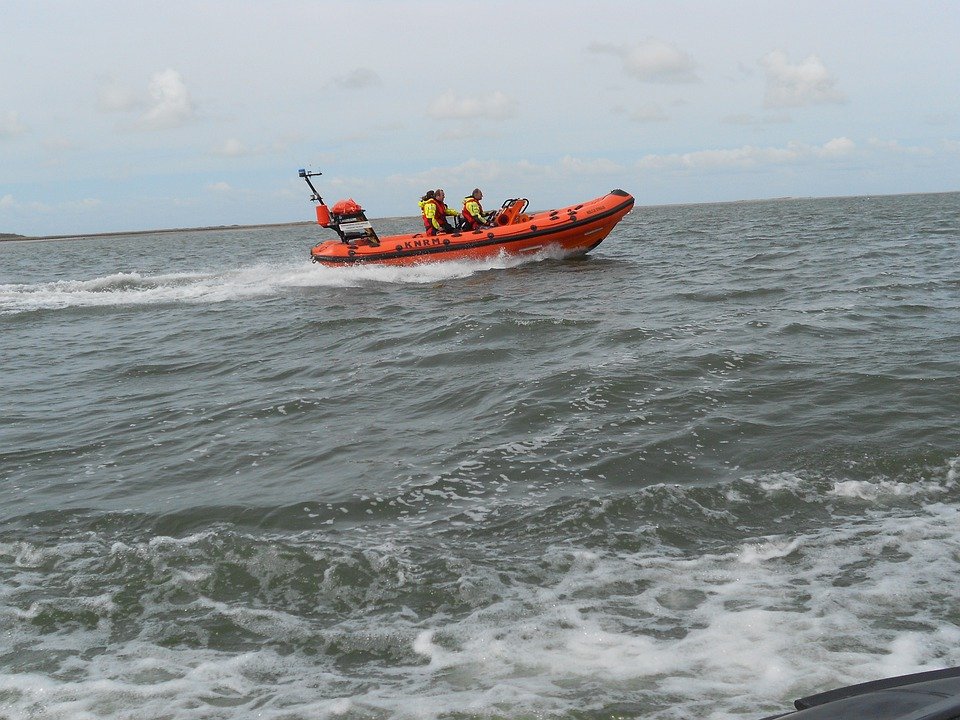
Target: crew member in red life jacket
435, 213
473, 215
445, 212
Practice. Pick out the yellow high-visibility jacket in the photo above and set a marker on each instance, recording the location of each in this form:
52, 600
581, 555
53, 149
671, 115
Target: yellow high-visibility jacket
473, 211
433, 214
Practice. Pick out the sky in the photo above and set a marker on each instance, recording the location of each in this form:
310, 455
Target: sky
149, 115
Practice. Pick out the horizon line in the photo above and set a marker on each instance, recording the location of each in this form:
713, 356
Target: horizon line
14, 237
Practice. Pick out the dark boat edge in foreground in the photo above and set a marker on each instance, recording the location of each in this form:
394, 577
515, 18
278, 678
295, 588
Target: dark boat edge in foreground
932, 695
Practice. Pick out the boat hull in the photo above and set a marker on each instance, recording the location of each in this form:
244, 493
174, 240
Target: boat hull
573, 230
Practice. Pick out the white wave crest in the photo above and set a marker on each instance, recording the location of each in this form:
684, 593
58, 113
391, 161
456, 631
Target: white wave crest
137, 288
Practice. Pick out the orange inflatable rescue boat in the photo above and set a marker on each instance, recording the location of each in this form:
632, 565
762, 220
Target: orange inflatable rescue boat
573, 230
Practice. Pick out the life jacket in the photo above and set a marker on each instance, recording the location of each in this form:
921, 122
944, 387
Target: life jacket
471, 219
437, 213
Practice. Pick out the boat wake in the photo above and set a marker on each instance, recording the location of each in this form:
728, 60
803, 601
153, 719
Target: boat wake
137, 289
629, 624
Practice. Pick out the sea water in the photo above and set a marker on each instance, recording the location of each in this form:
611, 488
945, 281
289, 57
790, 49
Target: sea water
709, 469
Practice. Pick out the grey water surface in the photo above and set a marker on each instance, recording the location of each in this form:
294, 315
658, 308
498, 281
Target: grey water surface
708, 469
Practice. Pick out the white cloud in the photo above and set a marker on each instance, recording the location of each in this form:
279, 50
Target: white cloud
461, 131
652, 60
9, 202
57, 149
496, 106
375, 131
467, 172
940, 118
116, 97
231, 147
357, 79
10, 125
748, 156
650, 112
58, 144
838, 147
807, 83
470, 130
171, 106
747, 119
596, 166
84, 204
475, 172
893, 146
219, 187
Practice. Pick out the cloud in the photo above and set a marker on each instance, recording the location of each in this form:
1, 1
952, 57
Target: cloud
372, 132
470, 130
84, 204
56, 149
807, 83
652, 60
356, 79
58, 144
470, 172
650, 112
748, 156
10, 125
496, 106
476, 172
596, 166
463, 131
231, 147
219, 187
893, 146
747, 119
9, 202
940, 118
116, 97
171, 106
838, 147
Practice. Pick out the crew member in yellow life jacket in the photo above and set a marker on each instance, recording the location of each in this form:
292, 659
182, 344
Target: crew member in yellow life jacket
428, 211
435, 213
473, 215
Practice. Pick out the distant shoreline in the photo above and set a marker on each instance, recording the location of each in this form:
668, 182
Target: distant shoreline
208, 228
10, 237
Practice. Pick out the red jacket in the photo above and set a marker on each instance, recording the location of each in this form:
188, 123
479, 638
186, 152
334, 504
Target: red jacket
473, 212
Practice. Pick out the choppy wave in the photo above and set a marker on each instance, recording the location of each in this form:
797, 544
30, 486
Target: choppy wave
710, 469
378, 620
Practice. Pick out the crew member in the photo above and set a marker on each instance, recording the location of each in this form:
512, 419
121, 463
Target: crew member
434, 213
445, 212
473, 215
